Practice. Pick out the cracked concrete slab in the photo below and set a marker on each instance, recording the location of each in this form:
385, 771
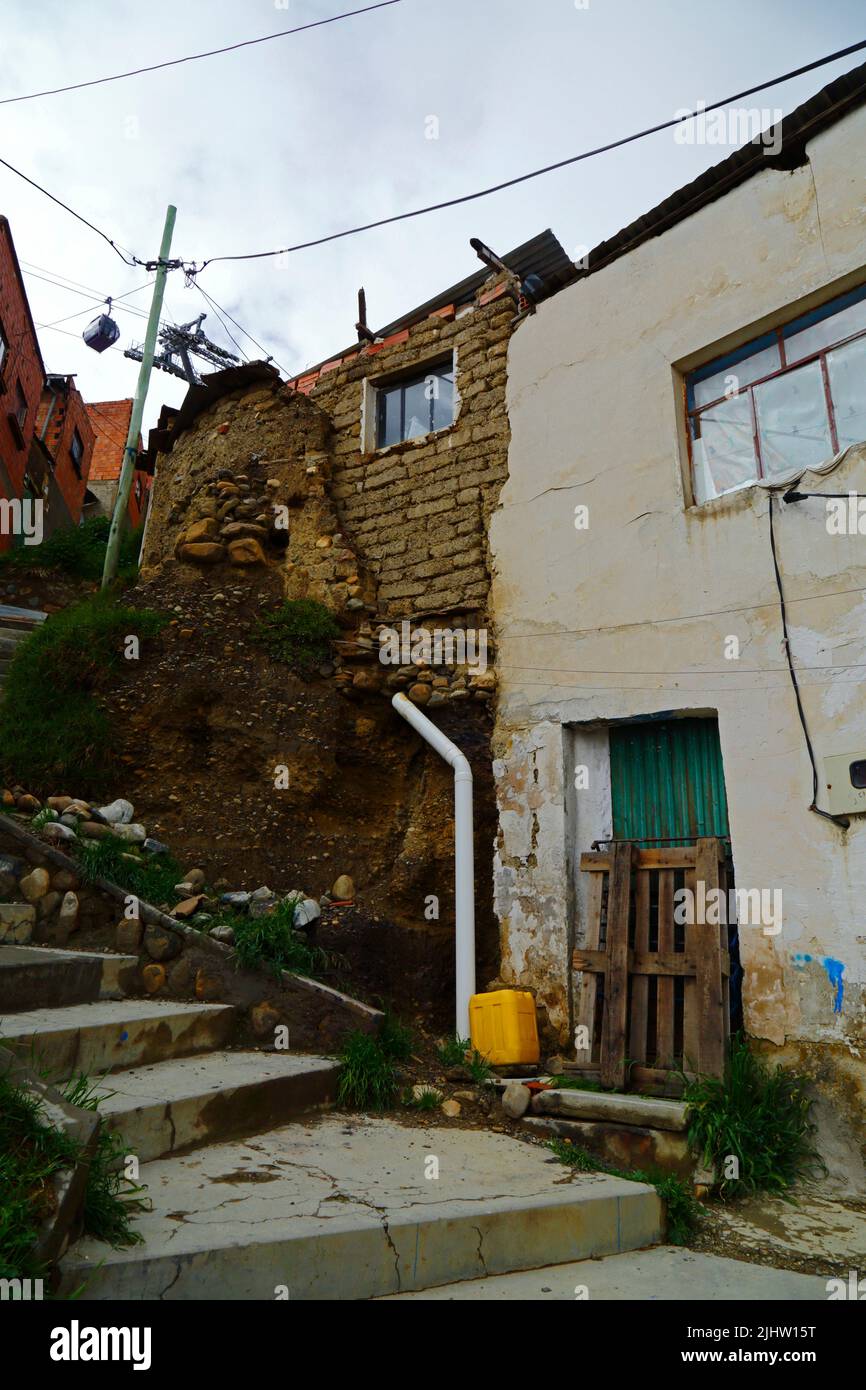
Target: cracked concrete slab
349, 1208
806, 1227
190, 1101
665, 1274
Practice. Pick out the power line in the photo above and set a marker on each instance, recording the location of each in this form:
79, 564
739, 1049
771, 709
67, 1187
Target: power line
77, 215
547, 169
195, 57
219, 309
93, 295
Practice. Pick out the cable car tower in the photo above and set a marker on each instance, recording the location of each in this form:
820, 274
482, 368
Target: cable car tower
181, 342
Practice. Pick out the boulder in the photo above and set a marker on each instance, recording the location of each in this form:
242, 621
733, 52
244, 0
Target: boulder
127, 936
202, 553
153, 978
515, 1100
201, 531
307, 913
246, 551
343, 889
69, 909
117, 812
35, 884
188, 906
133, 834
161, 943
55, 830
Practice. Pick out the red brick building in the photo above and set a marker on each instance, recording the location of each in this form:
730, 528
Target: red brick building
22, 373
110, 422
46, 439
63, 427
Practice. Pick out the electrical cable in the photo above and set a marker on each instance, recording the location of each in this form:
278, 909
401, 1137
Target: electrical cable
195, 57
218, 309
77, 215
536, 173
841, 821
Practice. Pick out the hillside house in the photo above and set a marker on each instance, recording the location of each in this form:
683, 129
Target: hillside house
708, 359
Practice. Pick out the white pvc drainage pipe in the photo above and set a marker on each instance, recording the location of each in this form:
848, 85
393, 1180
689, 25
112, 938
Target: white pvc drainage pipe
464, 866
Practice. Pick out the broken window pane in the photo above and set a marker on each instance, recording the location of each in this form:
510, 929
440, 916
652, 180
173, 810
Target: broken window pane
793, 425
847, 370
723, 448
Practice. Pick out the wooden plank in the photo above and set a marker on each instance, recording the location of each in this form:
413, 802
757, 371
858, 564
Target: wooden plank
710, 1002
613, 1044
586, 1002
665, 986
637, 1041
647, 963
691, 1014
676, 857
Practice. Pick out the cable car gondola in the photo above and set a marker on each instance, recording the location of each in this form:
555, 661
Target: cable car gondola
102, 332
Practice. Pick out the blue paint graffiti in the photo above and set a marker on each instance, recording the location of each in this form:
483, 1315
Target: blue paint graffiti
835, 970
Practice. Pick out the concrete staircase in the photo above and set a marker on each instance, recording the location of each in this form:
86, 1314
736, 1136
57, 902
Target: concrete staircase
257, 1194
15, 625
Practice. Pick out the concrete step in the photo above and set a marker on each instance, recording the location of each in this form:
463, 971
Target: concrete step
347, 1208
38, 977
667, 1273
112, 1035
192, 1101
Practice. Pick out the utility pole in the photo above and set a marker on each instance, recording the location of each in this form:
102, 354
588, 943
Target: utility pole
130, 452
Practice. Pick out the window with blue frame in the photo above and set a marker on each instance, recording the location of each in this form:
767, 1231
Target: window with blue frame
416, 405
790, 399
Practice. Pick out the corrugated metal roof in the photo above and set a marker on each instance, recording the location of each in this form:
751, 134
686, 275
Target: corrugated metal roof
543, 256
820, 112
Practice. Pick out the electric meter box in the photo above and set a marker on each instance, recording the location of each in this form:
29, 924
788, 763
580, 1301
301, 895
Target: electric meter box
845, 778
503, 1028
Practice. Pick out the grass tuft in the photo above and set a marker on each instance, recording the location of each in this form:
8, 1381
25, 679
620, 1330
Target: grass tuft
78, 551
299, 632
756, 1115
368, 1076
32, 1152
151, 880
271, 943
52, 729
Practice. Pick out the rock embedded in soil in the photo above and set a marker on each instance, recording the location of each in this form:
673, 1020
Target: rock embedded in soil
35, 884
153, 978
188, 906
162, 944
343, 889
117, 812
515, 1100
127, 936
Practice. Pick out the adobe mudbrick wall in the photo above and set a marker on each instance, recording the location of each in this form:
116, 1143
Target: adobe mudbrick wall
418, 510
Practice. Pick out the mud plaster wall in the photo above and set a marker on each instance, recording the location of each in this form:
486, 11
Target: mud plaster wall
594, 396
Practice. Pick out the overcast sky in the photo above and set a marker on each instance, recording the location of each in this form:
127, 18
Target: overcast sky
322, 130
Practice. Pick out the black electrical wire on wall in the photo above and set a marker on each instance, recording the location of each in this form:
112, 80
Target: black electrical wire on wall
842, 821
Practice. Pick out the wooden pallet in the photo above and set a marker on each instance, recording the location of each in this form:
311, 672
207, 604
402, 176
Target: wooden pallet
641, 1025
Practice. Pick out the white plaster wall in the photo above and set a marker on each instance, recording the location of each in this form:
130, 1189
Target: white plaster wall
624, 619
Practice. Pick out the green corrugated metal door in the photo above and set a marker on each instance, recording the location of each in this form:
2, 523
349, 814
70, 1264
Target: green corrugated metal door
667, 780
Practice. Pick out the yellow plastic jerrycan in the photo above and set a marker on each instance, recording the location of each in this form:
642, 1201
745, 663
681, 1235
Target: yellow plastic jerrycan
503, 1028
